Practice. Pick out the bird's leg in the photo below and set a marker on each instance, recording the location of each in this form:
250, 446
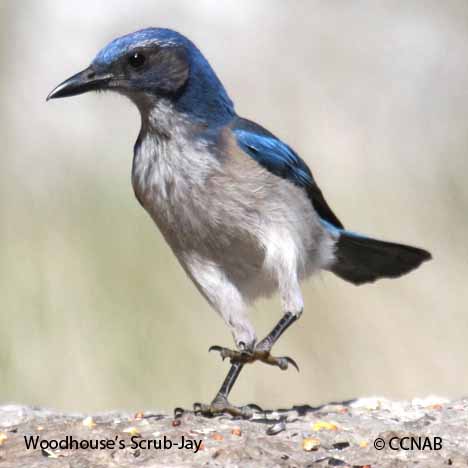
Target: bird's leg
220, 403
285, 322
261, 351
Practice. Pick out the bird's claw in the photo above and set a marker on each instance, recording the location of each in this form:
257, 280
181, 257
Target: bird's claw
247, 357
287, 360
221, 405
234, 356
243, 356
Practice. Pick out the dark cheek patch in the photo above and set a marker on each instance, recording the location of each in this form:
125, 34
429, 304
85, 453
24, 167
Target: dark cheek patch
170, 69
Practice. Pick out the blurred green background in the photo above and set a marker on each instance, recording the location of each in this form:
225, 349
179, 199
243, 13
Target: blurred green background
95, 312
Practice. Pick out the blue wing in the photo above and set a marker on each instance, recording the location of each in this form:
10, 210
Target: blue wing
282, 161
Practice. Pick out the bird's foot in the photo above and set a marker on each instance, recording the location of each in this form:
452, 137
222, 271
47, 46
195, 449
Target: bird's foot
220, 405
261, 352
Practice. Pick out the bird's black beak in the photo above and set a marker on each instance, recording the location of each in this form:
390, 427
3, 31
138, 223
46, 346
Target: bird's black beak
82, 82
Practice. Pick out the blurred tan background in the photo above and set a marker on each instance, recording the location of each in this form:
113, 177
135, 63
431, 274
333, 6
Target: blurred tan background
95, 312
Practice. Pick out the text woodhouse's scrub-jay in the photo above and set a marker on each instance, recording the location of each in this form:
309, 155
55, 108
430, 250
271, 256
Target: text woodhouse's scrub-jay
239, 208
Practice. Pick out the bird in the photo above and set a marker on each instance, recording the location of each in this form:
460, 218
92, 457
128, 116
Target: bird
240, 209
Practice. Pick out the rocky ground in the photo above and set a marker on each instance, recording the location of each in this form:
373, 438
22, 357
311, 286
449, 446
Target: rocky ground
362, 433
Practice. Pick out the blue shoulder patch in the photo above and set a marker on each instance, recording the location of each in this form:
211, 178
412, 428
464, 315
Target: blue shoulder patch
281, 160
276, 156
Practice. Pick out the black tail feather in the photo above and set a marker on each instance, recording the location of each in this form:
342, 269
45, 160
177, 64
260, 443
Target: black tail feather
362, 260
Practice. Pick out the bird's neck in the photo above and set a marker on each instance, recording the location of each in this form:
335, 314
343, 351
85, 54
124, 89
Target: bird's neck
158, 116
163, 118
205, 100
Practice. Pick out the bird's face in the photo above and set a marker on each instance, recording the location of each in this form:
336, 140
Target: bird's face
151, 61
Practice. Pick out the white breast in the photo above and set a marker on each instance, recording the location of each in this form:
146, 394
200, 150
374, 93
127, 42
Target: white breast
168, 177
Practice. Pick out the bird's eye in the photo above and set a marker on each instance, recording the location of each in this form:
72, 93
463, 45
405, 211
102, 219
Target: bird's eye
136, 60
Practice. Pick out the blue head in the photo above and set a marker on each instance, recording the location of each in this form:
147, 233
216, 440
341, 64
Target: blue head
156, 63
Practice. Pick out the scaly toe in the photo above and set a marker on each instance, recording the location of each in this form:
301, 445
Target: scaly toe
201, 409
281, 362
243, 356
259, 354
224, 352
219, 407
